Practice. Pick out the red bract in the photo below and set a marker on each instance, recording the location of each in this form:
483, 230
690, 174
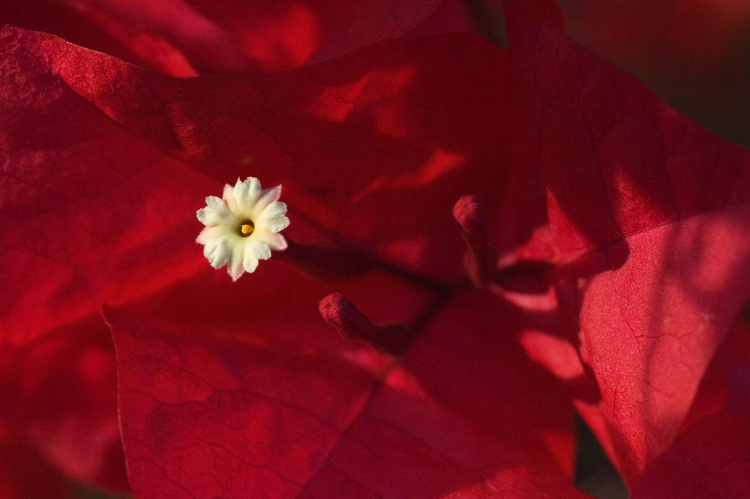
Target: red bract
372, 155
180, 37
583, 180
282, 407
369, 149
717, 433
650, 214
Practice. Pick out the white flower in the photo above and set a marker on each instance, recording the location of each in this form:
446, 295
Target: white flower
243, 227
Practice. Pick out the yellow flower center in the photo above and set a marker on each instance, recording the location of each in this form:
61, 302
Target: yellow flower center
247, 228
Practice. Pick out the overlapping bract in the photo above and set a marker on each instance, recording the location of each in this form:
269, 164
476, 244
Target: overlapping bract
182, 37
621, 229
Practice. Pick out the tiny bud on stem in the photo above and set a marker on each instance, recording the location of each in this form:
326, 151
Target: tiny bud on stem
346, 317
354, 325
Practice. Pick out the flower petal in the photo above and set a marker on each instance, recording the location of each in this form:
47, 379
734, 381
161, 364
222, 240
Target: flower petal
215, 212
274, 241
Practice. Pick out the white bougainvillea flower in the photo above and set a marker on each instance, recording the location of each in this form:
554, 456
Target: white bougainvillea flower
243, 227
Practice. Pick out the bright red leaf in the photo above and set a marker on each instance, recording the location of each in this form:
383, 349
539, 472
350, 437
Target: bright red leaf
263, 409
654, 211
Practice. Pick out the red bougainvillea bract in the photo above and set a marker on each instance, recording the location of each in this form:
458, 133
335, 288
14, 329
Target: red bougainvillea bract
484, 242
